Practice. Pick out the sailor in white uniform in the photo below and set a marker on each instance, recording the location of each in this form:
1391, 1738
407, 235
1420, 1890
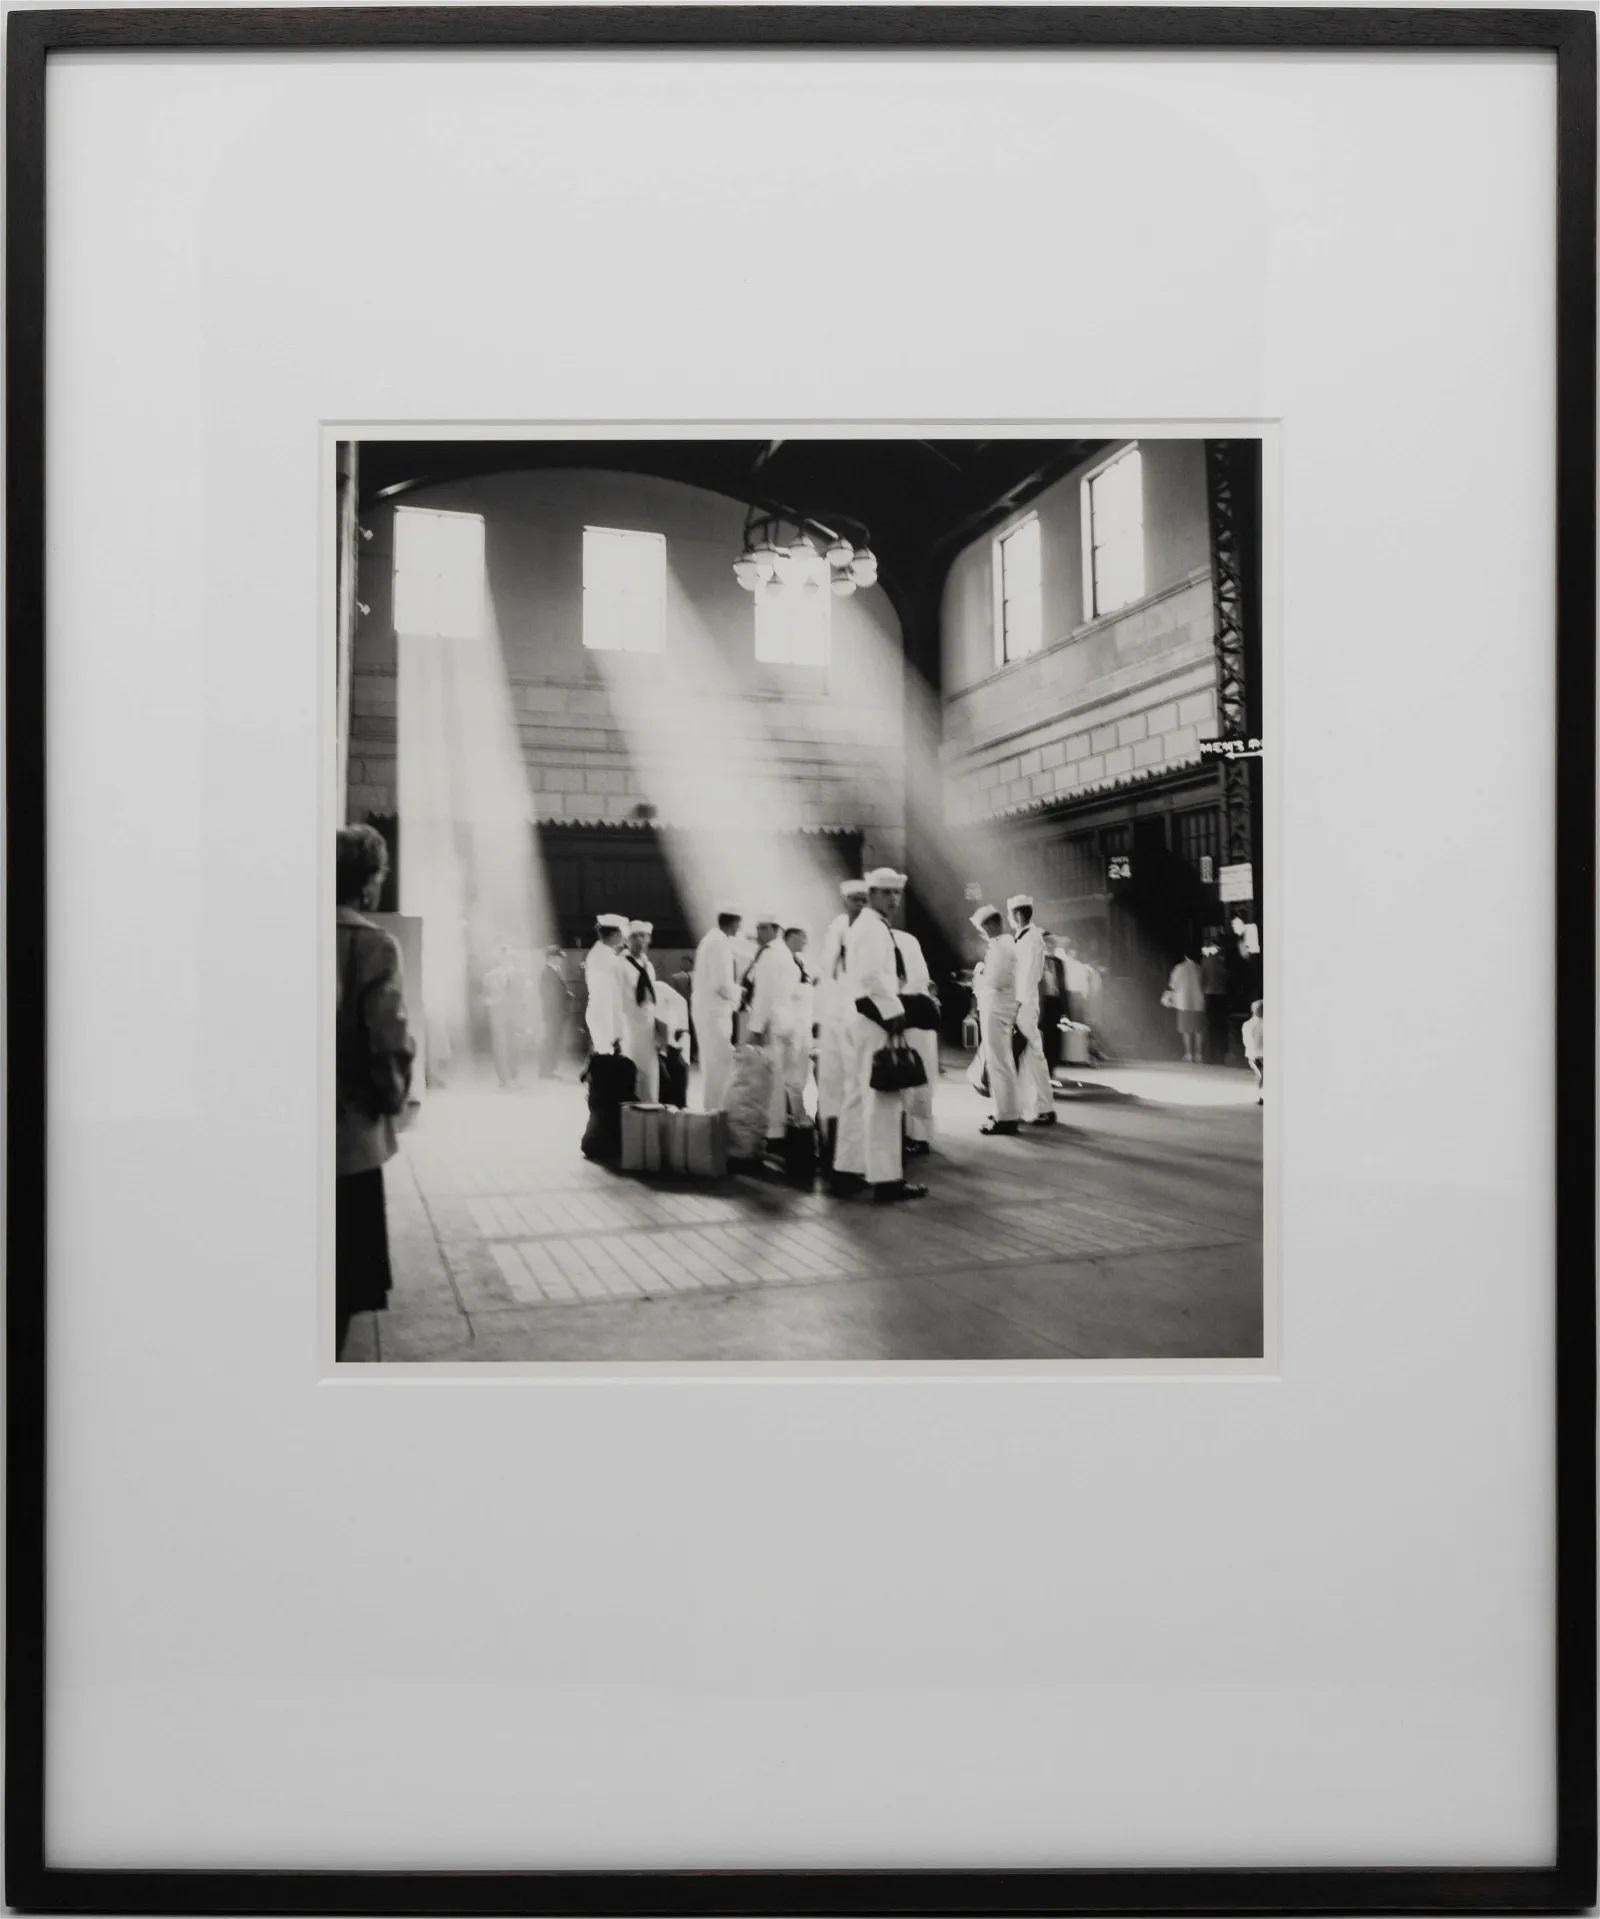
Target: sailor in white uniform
714, 999
639, 996
1033, 1071
916, 978
994, 987
870, 1131
835, 1015
602, 979
770, 983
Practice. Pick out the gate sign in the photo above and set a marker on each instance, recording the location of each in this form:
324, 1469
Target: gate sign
1119, 867
1239, 882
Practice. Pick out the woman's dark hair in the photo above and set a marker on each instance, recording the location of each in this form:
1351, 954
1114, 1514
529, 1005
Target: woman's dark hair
363, 854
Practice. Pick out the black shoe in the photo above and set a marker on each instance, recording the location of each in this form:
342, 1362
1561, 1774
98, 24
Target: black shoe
991, 1126
898, 1189
845, 1185
916, 1147
1044, 1119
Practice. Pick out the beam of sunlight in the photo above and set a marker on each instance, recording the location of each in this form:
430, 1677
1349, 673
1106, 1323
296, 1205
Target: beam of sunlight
469, 862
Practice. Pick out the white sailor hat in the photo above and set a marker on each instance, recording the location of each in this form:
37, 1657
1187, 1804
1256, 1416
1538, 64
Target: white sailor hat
640, 926
613, 922
983, 915
1019, 899
885, 876
853, 889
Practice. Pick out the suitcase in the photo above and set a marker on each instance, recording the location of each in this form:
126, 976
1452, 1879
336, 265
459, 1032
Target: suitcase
1074, 1044
643, 1127
611, 1079
800, 1152
674, 1077
675, 1140
705, 1148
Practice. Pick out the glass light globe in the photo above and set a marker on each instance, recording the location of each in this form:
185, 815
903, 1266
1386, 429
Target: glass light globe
841, 553
864, 569
746, 572
765, 556
771, 589
843, 585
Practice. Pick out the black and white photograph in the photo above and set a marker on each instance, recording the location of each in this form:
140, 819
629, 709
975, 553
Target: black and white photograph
799, 899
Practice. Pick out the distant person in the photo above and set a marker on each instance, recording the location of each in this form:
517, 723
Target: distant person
1255, 1045
713, 1001
1052, 1004
1186, 998
555, 1012
373, 1055
502, 1004
1214, 984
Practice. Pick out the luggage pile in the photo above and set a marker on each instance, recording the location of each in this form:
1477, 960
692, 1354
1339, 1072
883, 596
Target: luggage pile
1074, 1043
666, 1139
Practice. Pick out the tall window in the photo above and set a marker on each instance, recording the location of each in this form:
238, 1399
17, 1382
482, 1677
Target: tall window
793, 624
1113, 535
439, 578
624, 591
1018, 592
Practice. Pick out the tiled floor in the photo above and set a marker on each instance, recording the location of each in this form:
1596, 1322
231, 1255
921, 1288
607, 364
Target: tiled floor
1131, 1230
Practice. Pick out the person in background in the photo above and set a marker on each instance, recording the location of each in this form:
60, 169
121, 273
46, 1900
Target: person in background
1052, 1005
922, 1030
1186, 998
771, 984
713, 1001
502, 1005
602, 974
1214, 984
1034, 1085
373, 1055
555, 1012
870, 1146
835, 1017
994, 994
804, 1022
1254, 1035
639, 1012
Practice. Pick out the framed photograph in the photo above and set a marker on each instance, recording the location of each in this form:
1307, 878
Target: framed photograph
687, 689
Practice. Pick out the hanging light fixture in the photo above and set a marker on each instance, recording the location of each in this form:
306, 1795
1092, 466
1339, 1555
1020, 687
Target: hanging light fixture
815, 558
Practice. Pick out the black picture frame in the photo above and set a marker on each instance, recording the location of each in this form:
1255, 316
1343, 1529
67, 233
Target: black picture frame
1568, 1884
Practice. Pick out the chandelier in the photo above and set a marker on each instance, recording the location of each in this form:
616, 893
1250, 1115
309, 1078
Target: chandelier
787, 551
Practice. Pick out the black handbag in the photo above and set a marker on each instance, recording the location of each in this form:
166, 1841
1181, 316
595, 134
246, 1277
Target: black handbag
896, 1068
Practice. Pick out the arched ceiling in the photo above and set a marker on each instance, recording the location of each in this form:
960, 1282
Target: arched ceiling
922, 500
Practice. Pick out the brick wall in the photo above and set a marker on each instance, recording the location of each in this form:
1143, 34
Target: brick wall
1105, 702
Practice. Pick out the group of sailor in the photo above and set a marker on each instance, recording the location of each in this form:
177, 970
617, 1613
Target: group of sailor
629, 1009
1005, 991
870, 975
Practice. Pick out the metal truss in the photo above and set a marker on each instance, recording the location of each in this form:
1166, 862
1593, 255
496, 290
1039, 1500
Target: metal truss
1227, 597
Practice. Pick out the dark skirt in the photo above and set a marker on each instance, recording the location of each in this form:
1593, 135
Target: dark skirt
361, 1245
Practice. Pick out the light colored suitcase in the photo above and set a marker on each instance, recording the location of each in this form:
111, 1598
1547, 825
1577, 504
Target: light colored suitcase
641, 1137
706, 1145
1074, 1044
675, 1141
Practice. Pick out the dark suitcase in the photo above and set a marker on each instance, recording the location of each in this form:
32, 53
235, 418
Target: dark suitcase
611, 1079
674, 1077
800, 1152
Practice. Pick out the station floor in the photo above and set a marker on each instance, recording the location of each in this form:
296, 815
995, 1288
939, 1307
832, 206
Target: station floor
1132, 1229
